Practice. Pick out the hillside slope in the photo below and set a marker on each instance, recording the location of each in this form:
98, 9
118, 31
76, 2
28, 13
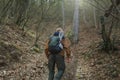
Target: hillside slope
20, 61
94, 64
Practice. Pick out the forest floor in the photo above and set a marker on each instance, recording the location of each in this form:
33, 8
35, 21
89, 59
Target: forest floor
20, 61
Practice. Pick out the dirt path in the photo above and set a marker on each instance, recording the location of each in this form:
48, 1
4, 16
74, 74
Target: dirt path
93, 64
79, 69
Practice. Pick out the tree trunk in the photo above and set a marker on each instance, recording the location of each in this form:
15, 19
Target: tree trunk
106, 37
84, 18
95, 21
63, 14
76, 22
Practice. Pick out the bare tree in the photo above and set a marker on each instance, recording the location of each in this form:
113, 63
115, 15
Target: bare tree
76, 22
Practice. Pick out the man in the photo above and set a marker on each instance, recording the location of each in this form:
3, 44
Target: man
58, 58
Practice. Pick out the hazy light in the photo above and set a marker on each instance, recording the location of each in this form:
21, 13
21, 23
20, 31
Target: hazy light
80, 2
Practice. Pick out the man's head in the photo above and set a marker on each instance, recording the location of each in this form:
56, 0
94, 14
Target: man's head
59, 32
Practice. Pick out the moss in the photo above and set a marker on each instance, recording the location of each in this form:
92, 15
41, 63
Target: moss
36, 49
31, 33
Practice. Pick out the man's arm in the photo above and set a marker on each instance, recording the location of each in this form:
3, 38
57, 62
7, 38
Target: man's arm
66, 42
46, 49
68, 52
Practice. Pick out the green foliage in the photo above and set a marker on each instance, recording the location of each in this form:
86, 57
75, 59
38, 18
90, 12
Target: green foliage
36, 48
69, 34
31, 33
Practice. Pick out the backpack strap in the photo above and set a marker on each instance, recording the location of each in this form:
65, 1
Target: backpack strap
61, 35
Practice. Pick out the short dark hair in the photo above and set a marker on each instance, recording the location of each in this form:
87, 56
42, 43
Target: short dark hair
56, 34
